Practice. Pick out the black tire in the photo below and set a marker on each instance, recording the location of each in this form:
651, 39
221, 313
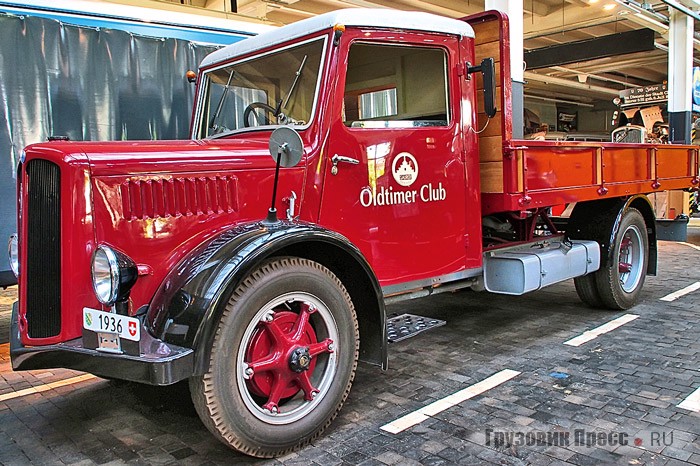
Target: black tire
587, 290
620, 282
244, 408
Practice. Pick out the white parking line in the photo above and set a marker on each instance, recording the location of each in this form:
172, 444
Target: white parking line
692, 403
46, 387
691, 245
589, 335
677, 294
416, 417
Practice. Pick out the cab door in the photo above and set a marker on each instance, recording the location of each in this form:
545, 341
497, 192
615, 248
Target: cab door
394, 173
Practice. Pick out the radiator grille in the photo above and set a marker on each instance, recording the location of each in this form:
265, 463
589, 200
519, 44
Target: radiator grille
630, 133
43, 310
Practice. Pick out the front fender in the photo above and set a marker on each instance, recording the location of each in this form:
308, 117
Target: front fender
188, 305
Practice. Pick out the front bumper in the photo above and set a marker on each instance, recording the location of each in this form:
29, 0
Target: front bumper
149, 368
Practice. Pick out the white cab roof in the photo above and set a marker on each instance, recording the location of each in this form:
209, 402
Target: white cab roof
379, 18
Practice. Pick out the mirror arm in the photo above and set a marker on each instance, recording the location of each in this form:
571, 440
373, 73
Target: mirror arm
472, 69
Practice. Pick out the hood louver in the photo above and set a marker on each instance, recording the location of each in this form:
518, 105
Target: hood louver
175, 196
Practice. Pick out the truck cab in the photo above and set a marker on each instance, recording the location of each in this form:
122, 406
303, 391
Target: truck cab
336, 164
385, 121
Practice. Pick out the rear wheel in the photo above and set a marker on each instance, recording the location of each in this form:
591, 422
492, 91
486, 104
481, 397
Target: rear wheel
283, 359
587, 290
620, 282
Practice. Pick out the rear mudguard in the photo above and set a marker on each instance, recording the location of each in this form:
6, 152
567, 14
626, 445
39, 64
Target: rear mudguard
189, 303
599, 221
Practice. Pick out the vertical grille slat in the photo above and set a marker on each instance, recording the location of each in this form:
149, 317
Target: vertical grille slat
43, 249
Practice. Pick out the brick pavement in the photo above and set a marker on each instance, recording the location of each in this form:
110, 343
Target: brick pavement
7, 297
627, 381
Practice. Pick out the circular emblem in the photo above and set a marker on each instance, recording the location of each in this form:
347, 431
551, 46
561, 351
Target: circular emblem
405, 169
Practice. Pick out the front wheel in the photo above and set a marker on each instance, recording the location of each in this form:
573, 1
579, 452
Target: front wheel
620, 282
282, 361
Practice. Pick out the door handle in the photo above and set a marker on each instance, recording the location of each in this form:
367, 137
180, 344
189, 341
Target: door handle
341, 158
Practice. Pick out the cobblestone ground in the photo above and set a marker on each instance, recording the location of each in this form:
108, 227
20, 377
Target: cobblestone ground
7, 297
624, 384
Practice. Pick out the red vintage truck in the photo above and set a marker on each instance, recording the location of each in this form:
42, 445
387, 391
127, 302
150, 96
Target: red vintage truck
397, 176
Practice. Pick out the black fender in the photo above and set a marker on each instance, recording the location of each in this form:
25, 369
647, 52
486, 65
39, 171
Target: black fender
186, 309
599, 220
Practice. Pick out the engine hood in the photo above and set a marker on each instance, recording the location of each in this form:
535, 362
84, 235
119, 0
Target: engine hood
138, 157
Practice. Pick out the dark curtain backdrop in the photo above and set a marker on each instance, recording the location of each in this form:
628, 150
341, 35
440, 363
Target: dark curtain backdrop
87, 84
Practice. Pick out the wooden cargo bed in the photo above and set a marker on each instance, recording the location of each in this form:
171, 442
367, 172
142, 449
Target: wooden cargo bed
525, 174
545, 173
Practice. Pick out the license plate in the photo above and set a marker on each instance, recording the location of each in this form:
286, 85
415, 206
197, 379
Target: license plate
125, 327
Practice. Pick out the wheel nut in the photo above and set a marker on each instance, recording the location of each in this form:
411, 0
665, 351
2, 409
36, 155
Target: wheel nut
274, 410
249, 372
331, 347
268, 317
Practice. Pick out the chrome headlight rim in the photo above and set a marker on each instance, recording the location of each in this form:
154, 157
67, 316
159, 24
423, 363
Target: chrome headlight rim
108, 257
13, 253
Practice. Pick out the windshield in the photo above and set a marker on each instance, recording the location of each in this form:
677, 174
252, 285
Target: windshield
276, 88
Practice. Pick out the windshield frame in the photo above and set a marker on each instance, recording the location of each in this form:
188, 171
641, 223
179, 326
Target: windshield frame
203, 90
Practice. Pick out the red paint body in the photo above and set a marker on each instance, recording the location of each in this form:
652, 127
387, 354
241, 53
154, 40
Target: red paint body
156, 201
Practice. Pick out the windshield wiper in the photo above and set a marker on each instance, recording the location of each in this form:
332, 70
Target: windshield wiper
282, 104
220, 105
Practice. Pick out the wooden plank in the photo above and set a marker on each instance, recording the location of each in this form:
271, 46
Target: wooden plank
486, 32
489, 49
493, 128
491, 177
490, 149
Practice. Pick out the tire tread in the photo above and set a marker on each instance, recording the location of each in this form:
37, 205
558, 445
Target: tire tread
202, 388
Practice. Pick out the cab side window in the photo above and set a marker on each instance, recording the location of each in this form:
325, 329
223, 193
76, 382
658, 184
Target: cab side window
395, 86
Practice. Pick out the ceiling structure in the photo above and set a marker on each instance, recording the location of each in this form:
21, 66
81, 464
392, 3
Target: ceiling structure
546, 23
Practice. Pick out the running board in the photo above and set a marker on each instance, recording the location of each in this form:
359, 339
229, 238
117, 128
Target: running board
529, 267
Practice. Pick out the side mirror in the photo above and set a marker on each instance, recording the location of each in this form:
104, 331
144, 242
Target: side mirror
286, 146
488, 72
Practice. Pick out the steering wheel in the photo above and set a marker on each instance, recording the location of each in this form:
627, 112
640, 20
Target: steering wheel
255, 106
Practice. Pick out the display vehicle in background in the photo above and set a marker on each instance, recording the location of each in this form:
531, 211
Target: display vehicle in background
336, 164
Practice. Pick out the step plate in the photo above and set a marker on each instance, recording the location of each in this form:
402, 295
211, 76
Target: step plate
408, 325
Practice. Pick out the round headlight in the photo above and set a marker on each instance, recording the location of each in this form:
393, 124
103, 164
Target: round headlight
105, 275
13, 251
113, 275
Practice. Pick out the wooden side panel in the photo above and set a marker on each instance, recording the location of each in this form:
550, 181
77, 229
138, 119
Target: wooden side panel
486, 32
490, 149
487, 44
491, 177
493, 128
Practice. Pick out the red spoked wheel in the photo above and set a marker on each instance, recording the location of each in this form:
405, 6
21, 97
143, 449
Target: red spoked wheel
282, 361
631, 258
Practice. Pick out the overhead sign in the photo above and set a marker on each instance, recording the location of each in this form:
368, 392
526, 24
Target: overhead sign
657, 93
